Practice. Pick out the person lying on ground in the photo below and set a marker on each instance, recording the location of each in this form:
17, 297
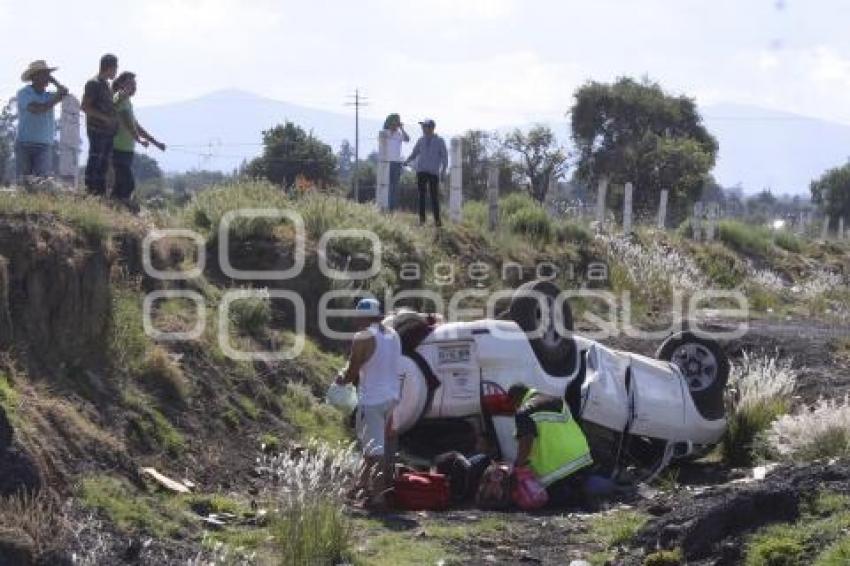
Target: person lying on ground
36, 121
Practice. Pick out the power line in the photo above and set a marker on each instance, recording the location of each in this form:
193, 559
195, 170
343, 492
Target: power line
357, 101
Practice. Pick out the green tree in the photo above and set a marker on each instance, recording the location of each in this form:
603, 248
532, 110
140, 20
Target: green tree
290, 152
345, 162
632, 131
7, 142
480, 150
146, 169
831, 192
540, 158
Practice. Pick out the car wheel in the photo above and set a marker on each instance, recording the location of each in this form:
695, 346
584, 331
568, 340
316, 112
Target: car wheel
705, 367
555, 351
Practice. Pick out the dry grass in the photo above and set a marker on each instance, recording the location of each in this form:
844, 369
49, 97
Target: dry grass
821, 431
38, 516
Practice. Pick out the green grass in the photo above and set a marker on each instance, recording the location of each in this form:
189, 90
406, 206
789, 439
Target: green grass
741, 442
616, 528
9, 397
149, 428
746, 238
788, 241
312, 418
128, 344
89, 216
532, 222
129, 509
251, 315
164, 377
249, 408
312, 532
664, 558
720, 265
818, 537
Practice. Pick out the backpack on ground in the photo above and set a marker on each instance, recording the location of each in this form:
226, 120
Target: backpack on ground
421, 491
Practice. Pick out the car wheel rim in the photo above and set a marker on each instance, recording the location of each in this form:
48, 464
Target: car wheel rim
697, 363
548, 324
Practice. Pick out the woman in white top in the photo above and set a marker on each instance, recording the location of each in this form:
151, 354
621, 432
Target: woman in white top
397, 136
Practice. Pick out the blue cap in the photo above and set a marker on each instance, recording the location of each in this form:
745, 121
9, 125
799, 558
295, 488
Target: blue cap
368, 307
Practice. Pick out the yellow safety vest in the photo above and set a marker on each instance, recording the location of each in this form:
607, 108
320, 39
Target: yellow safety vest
560, 448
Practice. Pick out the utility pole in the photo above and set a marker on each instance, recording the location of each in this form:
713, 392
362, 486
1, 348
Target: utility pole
356, 100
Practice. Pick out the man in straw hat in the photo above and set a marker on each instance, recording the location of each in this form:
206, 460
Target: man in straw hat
374, 366
36, 121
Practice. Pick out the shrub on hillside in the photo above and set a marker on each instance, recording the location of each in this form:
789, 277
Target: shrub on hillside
160, 374
515, 202
310, 487
720, 265
533, 222
251, 315
788, 241
568, 232
745, 238
760, 391
821, 431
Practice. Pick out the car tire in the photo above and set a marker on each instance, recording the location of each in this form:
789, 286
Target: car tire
705, 367
555, 352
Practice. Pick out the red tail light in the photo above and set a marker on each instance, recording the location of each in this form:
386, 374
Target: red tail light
494, 399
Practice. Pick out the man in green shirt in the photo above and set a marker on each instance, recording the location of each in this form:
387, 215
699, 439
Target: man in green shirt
129, 132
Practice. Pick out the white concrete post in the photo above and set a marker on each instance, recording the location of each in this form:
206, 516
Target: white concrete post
824, 233
69, 141
662, 210
696, 221
601, 193
841, 228
711, 221
493, 195
553, 186
627, 208
801, 226
382, 189
455, 181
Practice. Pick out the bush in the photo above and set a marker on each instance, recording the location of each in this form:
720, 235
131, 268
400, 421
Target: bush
822, 431
313, 419
38, 516
745, 238
780, 545
164, 377
567, 232
720, 265
251, 315
788, 241
515, 202
761, 388
531, 222
311, 486
128, 340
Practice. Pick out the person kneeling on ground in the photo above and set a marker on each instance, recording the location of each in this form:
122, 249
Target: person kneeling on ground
373, 366
551, 443
124, 142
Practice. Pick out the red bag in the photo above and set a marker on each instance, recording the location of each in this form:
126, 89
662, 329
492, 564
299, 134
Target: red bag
421, 491
528, 493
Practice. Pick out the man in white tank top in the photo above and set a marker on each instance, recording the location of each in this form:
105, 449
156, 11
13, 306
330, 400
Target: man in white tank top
374, 366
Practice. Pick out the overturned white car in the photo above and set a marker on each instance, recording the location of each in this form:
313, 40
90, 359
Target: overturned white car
638, 413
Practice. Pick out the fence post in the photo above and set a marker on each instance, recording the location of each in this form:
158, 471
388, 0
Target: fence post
696, 222
841, 228
493, 194
627, 209
455, 180
711, 221
382, 189
69, 141
801, 226
824, 233
662, 210
601, 191
553, 186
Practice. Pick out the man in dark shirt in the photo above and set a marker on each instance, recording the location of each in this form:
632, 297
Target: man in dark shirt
101, 123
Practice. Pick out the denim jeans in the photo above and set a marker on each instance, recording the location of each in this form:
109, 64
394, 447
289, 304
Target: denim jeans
100, 150
395, 177
33, 159
125, 184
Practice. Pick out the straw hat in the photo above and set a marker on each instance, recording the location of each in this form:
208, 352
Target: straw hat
36, 67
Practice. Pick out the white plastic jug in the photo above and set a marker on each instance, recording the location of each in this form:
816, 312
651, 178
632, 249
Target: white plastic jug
343, 397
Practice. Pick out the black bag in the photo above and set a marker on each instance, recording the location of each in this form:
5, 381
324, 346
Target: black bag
456, 468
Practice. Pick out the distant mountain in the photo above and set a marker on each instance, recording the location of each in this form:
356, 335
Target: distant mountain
762, 148
759, 148
217, 131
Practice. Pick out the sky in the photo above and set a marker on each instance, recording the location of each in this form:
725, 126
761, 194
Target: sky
466, 63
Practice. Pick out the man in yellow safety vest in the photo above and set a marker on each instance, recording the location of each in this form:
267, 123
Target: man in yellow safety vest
550, 441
